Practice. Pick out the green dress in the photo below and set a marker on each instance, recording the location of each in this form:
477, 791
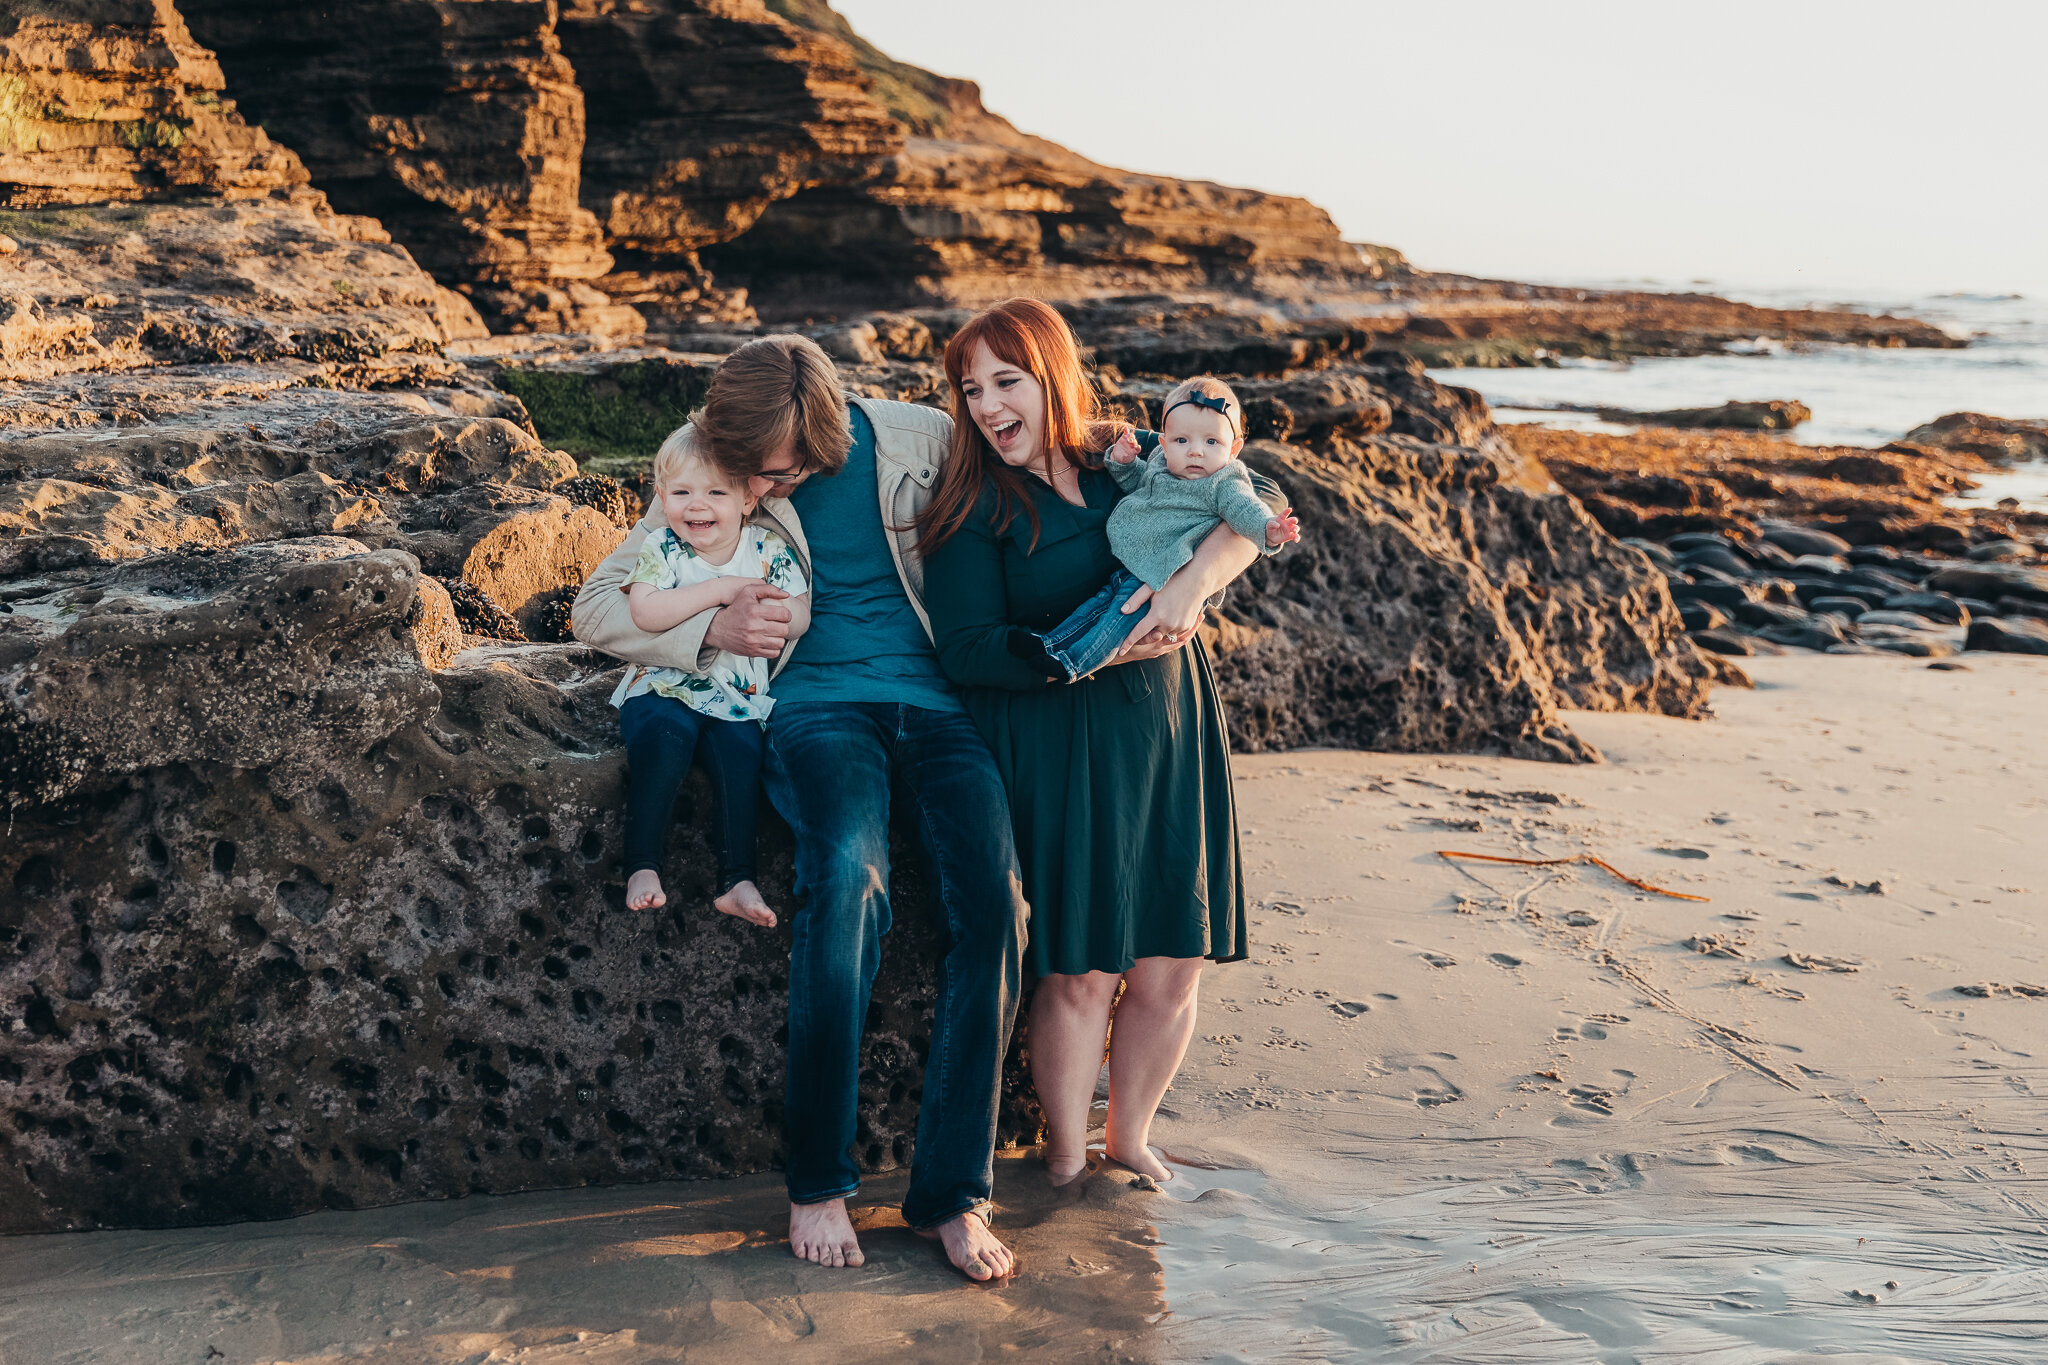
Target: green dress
1119, 784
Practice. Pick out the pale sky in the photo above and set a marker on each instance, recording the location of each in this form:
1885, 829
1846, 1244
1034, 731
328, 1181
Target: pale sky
1838, 144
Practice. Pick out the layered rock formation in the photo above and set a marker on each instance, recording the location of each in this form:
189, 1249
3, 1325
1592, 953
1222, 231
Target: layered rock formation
112, 100
547, 159
458, 125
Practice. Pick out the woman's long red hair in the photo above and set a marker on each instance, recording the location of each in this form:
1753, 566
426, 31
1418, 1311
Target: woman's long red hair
1029, 335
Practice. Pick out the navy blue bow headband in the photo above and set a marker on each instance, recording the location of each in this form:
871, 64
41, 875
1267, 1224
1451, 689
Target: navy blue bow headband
1203, 400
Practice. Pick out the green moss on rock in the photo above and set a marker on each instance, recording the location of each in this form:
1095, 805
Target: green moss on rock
610, 418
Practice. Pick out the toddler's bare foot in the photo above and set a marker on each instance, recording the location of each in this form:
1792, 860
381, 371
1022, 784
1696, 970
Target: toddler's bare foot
643, 890
744, 900
1141, 1159
823, 1235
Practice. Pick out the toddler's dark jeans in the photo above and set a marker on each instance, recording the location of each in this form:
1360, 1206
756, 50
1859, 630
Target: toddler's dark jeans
662, 735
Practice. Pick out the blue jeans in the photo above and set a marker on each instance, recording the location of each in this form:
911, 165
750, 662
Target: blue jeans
1090, 635
831, 767
661, 736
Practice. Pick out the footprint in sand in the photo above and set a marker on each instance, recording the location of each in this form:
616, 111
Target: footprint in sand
1814, 962
1681, 852
1440, 959
1350, 1009
1579, 919
1504, 960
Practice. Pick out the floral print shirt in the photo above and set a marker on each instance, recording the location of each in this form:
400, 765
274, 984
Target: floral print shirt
733, 688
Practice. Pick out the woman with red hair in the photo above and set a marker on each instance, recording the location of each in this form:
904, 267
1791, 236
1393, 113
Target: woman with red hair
1119, 783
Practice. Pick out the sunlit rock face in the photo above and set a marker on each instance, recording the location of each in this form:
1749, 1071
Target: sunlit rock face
112, 100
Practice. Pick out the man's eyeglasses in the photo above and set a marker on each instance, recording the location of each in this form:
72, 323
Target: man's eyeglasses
784, 478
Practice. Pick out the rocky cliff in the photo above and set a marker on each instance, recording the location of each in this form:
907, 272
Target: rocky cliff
560, 161
112, 100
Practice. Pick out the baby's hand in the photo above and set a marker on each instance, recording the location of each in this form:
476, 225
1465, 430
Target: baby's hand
733, 587
1283, 529
1126, 448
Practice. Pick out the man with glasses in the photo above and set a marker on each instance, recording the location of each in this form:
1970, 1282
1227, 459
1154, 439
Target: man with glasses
862, 710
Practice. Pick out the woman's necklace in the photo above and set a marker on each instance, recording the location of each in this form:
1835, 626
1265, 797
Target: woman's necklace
1060, 476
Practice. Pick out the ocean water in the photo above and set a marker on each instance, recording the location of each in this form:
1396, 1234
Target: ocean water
1859, 395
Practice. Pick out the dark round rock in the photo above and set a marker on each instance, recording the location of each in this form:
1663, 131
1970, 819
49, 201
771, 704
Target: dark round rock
2019, 606
1717, 557
1686, 541
1724, 642
1815, 632
1850, 607
1803, 540
2008, 635
1935, 606
1724, 595
2003, 551
1766, 554
1769, 614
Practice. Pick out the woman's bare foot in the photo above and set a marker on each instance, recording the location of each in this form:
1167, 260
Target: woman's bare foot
1141, 1159
974, 1251
823, 1235
643, 890
1064, 1167
744, 900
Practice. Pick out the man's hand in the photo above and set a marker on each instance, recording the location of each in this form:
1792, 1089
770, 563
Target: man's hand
1283, 529
755, 626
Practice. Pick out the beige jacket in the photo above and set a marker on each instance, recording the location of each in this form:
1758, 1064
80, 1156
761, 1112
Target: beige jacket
911, 445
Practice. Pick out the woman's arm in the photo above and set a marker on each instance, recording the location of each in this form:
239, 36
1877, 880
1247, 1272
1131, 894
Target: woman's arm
1177, 608
658, 609
963, 594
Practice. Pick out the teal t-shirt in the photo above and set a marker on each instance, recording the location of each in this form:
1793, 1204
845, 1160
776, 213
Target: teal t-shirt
865, 642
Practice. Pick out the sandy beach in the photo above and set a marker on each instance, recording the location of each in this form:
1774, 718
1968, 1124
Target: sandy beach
1448, 1112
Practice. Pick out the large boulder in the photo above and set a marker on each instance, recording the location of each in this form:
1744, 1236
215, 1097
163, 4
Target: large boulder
397, 968
2002, 440
1432, 604
273, 656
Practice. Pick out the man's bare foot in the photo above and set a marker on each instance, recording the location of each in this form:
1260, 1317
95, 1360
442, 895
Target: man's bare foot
1064, 1167
1141, 1159
974, 1250
823, 1235
744, 901
643, 890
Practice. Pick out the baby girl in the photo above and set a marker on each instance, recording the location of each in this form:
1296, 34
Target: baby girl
1171, 502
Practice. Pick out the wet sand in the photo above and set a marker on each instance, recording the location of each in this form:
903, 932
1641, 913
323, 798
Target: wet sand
1448, 1112
1517, 1114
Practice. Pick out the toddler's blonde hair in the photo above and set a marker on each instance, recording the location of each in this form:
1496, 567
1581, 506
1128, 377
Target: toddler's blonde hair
681, 447
1208, 386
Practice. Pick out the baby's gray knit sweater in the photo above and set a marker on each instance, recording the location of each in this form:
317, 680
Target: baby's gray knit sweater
1161, 519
